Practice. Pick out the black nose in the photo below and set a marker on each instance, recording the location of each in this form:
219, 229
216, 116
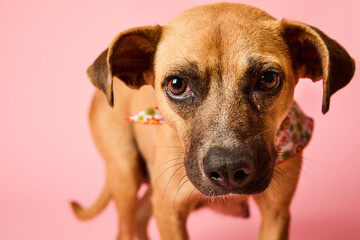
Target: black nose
228, 168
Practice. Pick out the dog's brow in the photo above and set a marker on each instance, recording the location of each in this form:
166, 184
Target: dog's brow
263, 62
257, 65
188, 70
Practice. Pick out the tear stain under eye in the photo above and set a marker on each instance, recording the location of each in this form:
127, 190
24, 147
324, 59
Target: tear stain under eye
184, 108
261, 102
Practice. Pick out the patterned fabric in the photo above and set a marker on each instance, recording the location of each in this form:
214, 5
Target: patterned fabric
148, 116
292, 136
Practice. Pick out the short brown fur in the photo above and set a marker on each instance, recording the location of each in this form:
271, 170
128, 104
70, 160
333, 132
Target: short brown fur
221, 50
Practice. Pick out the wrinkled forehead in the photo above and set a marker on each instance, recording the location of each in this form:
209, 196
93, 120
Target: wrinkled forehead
230, 39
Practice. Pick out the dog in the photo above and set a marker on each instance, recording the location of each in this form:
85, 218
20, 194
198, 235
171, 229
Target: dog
217, 82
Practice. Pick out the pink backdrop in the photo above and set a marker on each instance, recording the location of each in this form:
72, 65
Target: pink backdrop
47, 155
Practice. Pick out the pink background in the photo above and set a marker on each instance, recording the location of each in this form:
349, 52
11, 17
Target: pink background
47, 154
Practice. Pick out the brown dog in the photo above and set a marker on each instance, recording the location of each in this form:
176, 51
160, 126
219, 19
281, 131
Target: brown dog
223, 78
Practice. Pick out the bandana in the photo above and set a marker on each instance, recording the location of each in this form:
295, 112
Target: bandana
292, 136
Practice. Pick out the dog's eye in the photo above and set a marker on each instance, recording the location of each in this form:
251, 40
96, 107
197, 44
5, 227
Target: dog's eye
269, 80
177, 86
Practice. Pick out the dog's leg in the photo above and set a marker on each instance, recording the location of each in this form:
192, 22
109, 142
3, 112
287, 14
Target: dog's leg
124, 187
143, 215
171, 215
275, 201
173, 195
115, 142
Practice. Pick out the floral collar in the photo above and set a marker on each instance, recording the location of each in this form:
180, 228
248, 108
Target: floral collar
292, 136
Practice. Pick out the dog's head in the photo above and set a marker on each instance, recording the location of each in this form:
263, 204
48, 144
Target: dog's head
224, 77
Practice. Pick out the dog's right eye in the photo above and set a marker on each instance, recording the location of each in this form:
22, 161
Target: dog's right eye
177, 87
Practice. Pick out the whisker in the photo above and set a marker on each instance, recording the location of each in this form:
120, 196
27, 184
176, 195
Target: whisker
275, 179
270, 190
281, 172
305, 161
169, 146
315, 162
257, 135
178, 190
301, 168
188, 203
182, 152
176, 164
262, 197
182, 179
170, 179
158, 166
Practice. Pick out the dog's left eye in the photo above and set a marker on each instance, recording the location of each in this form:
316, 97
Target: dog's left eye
177, 86
269, 80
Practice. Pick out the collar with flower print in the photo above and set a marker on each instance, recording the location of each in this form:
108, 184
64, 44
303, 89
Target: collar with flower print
292, 136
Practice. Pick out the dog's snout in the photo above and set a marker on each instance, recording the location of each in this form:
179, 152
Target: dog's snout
228, 168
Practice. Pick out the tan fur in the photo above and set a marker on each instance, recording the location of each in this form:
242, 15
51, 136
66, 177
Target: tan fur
220, 44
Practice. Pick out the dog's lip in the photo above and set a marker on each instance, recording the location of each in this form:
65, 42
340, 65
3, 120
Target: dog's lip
218, 191
231, 193
242, 191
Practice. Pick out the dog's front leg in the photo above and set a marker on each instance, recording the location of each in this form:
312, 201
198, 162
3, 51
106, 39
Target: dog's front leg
171, 221
173, 195
170, 207
275, 201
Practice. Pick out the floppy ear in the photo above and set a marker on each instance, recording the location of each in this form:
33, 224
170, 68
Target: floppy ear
316, 56
130, 57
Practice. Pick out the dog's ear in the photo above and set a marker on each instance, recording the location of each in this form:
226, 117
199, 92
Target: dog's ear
316, 56
129, 57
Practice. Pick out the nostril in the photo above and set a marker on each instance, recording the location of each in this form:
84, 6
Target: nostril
240, 175
214, 176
